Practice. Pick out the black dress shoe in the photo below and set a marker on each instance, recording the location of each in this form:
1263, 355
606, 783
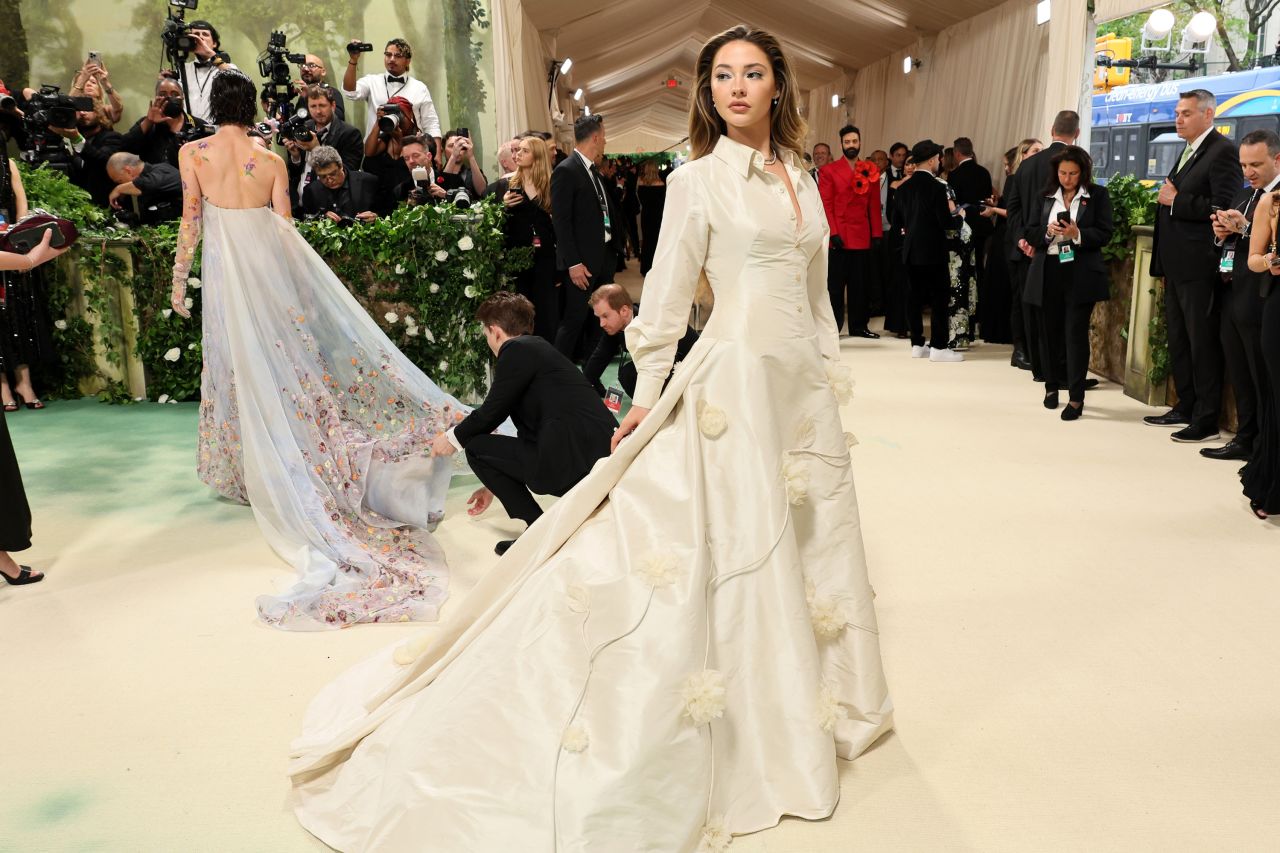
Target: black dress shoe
1071, 413
1170, 418
1020, 360
864, 333
501, 547
1051, 400
1193, 433
1231, 450
1090, 384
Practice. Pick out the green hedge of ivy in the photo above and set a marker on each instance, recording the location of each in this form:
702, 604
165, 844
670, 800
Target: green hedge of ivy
430, 264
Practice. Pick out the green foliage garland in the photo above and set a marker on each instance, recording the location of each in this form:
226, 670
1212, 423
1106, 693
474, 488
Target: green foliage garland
1132, 203
431, 265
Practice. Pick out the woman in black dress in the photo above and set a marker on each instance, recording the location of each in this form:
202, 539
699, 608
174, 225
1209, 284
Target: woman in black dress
527, 196
1261, 477
26, 333
994, 295
15, 514
651, 192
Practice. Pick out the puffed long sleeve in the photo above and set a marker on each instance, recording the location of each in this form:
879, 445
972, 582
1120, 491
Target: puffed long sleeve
669, 287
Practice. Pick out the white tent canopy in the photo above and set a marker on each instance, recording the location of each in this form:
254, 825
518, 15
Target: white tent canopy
986, 54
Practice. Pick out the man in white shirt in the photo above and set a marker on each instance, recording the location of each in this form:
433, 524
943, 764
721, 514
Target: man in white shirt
208, 62
396, 81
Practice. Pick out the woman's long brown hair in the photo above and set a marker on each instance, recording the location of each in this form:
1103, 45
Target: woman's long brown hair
786, 128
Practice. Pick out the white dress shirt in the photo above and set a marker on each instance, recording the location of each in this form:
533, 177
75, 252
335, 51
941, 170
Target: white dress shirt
1058, 207
200, 87
376, 91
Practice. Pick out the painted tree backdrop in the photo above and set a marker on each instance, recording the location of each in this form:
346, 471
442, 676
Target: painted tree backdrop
46, 41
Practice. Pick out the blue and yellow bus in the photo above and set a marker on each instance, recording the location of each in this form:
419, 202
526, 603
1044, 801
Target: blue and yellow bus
1133, 131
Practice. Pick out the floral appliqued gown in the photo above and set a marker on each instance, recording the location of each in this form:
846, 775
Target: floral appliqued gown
682, 647
312, 416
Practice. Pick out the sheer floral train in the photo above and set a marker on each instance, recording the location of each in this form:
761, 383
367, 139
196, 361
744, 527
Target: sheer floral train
312, 416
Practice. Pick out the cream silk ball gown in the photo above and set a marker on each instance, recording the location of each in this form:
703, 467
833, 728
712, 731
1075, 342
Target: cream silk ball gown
681, 648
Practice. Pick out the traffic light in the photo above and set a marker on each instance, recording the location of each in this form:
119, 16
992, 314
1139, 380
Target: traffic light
1106, 79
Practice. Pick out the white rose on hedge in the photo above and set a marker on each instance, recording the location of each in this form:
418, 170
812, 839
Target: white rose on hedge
426, 333
466, 244
435, 288
469, 274
469, 292
412, 331
164, 398
188, 303
444, 365
399, 269
390, 317
191, 346
167, 313
173, 354
442, 255
193, 283
60, 325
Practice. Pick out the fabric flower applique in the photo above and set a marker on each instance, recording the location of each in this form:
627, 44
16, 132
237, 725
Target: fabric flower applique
575, 738
825, 613
830, 711
795, 473
711, 420
703, 694
659, 570
715, 836
840, 378
806, 433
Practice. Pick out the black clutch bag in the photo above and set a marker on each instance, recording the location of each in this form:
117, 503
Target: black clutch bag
25, 234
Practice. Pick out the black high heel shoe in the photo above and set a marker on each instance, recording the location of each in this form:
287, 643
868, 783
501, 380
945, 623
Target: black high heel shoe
1051, 400
25, 576
1071, 413
1256, 509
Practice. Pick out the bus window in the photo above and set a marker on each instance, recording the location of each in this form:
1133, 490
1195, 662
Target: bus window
1246, 126
1098, 153
1134, 151
1163, 153
1116, 164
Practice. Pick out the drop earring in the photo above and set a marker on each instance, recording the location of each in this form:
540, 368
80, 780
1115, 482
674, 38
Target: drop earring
775, 102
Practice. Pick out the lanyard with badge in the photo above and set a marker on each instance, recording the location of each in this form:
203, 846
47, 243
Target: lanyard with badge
598, 186
1227, 263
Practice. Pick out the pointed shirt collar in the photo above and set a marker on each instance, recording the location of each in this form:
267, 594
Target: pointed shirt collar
741, 158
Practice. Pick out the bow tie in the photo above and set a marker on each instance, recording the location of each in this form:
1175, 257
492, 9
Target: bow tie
391, 79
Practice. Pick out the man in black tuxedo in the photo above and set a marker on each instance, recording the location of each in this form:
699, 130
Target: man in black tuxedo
1207, 175
1024, 197
562, 427
614, 309
924, 213
972, 184
588, 233
327, 128
338, 193
1243, 302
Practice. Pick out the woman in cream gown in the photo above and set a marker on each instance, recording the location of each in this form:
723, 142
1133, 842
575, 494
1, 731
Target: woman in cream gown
680, 649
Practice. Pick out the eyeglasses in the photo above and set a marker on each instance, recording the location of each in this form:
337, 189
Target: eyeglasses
312, 65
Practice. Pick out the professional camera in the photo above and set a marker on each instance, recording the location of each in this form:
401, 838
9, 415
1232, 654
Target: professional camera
274, 64
172, 107
458, 196
46, 109
175, 34
7, 103
297, 128
388, 121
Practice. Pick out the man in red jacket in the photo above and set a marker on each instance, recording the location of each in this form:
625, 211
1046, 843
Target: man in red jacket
851, 197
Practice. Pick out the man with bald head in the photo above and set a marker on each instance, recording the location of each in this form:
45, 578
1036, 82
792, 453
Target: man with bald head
157, 187
314, 74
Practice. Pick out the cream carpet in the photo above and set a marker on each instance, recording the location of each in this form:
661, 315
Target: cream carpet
1079, 624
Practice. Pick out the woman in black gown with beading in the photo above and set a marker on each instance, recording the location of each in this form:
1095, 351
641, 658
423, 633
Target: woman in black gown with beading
15, 514
26, 332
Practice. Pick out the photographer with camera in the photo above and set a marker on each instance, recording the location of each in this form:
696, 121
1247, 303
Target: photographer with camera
93, 143
323, 127
393, 123
419, 154
157, 187
461, 170
209, 61
397, 82
344, 196
157, 136
313, 72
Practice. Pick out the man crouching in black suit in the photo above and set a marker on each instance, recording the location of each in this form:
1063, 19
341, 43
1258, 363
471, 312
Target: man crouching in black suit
562, 426
337, 193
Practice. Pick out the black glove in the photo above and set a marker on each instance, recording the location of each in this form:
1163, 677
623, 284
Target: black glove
836, 242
